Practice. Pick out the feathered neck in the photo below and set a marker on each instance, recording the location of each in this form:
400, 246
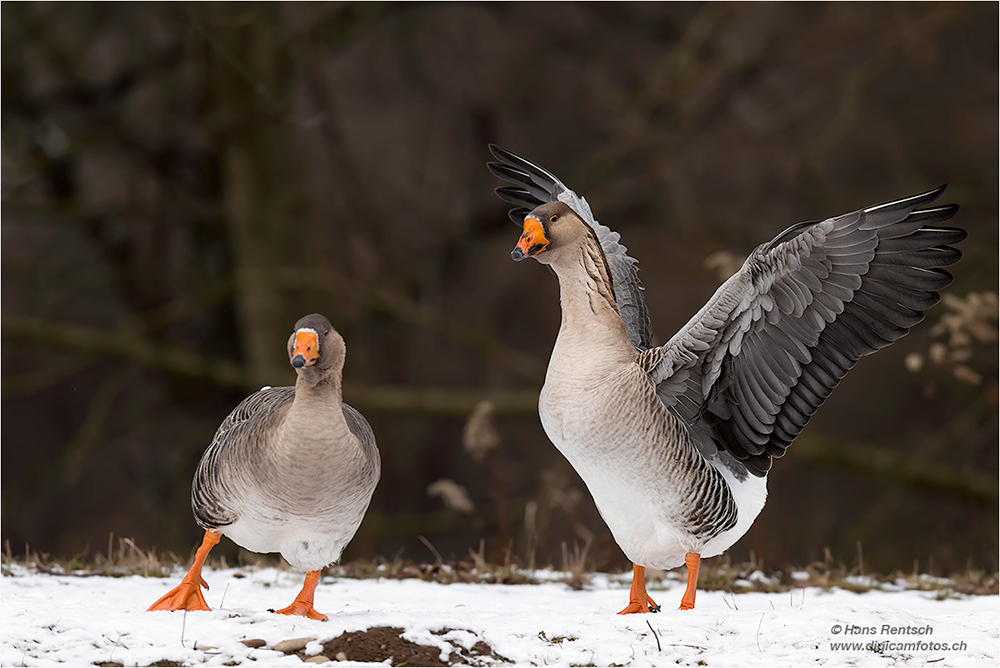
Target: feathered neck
587, 296
316, 415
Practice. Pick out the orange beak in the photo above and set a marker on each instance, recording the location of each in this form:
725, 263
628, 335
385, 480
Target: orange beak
532, 242
305, 352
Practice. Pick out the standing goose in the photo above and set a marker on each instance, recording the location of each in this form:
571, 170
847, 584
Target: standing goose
291, 470
675, 442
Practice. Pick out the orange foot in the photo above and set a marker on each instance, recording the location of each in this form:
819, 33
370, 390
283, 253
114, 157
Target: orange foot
185, 596
638, 600
303, 608
303, 603
633, 607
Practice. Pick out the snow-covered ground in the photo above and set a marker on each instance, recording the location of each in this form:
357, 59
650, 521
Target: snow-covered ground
83, 621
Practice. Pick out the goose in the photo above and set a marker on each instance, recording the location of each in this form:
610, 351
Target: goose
291, 470
674, 442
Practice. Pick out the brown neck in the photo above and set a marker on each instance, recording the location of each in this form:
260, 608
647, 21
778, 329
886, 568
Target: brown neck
586, 293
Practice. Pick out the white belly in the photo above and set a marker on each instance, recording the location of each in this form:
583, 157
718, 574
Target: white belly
750, 495
640, 521
306, 543
626, 472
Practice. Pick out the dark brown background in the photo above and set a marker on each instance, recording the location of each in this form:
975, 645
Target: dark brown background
181, 182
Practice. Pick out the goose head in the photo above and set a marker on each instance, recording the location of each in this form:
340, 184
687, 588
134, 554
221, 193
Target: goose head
316, 349
549, 230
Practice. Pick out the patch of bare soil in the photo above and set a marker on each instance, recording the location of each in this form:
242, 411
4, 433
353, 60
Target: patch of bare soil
384, 642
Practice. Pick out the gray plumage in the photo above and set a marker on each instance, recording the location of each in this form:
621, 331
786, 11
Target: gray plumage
538, 186
291, 469
758, 360
675, 442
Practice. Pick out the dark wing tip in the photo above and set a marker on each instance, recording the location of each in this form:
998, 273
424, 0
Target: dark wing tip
937, 192
500, 153
518, 196
912, 201
505, 156
948, 235
517, 215
942, 212
932, 194
533, 185
502, 170
539, 175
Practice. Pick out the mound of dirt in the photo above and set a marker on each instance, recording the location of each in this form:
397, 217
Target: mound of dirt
384, 642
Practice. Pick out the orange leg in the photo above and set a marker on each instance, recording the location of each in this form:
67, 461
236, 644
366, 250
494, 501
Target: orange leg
187, 595
693, 560
638, 599
303, 603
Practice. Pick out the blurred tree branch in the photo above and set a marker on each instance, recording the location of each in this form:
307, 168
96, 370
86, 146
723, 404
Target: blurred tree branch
48, 373
87, 438
122, 342
481, 342
897, 468
138, 350
128, 344
855, 81
457, 402
260, 174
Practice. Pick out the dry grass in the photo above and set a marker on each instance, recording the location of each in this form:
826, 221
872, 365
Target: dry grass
125, 558
721, 575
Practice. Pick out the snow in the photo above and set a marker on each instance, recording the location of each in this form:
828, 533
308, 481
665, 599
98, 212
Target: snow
82, 621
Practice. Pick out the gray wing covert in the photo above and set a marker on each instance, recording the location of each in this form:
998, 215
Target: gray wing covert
750, 369
534, 186
210, 490
362, 431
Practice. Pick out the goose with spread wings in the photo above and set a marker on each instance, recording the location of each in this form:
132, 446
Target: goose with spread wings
674, 442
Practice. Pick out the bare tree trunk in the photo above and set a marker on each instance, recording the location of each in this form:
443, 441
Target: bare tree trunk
250, 76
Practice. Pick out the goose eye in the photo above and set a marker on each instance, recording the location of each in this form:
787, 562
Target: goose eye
553, 219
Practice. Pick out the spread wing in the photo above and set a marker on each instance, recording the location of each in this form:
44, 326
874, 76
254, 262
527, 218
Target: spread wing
750, 369
534, 186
